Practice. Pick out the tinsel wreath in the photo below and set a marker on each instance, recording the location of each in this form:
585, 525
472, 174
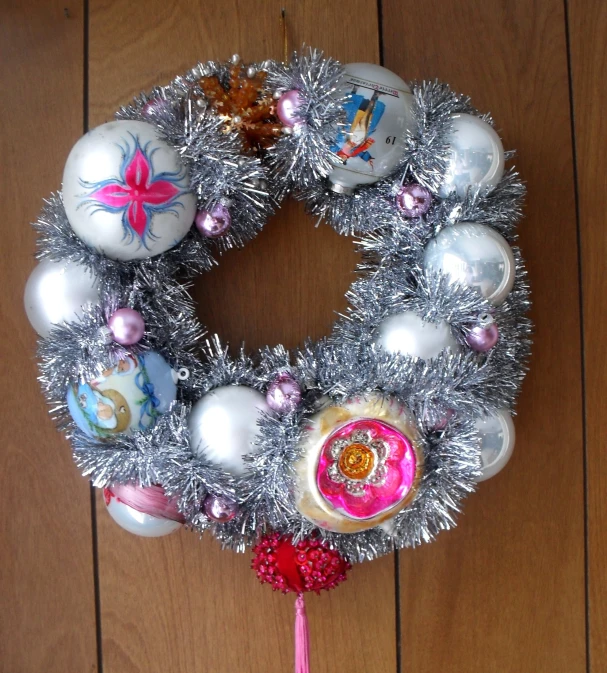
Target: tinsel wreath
346, 365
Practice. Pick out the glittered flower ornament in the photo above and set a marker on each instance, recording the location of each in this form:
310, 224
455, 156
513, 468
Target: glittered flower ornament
361, 464
137, 192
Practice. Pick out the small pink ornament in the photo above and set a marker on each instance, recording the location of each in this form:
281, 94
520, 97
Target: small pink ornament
413, 200
284, 394
215, 222
219, 508
484, 335
288, 107
127, 326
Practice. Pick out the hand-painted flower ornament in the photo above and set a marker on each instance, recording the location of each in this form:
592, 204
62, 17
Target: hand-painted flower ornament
137, 193
127, 192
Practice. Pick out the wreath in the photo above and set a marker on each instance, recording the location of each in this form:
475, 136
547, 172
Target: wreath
349, 447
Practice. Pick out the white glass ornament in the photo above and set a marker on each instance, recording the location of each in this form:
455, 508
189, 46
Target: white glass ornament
497, 438
136, 522
408, 334
56, 292
224, 426
474, 255
126, 191
476, 159
378, 115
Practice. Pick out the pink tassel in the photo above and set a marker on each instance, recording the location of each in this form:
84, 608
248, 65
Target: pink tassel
302, 637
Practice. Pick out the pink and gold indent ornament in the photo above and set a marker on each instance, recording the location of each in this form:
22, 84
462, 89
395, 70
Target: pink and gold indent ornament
361, 464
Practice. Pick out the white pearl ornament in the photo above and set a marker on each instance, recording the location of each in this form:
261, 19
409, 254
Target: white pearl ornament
223, 426
56, 292
474, 255
476, 159
126, 192
406, 333
139, 523
378, 113
497, 439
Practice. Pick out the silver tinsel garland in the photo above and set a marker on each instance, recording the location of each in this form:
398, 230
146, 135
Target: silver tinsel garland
341, 366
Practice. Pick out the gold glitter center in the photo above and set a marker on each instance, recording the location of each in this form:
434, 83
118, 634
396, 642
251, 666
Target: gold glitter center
356, 461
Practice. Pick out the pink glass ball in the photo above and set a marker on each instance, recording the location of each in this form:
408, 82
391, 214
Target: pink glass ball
127, 326
219, 508
483, 336
288, 107
413, 200
284, 394
215, 222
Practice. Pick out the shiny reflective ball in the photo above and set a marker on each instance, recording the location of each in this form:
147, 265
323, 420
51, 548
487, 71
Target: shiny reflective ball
56, 292
483, 336
126, 326
215, 222
284, 394
497, 437
476, 157
406, 333
413, 200
224, 426
474, 255
219, 508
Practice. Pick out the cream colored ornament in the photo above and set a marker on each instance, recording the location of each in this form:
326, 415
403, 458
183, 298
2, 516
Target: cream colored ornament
361, 464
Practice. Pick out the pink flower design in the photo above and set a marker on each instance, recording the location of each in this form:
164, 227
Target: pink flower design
366, 467
138, 193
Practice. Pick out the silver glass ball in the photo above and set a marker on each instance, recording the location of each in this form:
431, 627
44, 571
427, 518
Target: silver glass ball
474, 255
476, 157
497, 438
224, 426
408, 334
56, 292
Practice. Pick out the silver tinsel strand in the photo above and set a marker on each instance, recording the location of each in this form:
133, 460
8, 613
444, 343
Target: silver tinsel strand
345, 364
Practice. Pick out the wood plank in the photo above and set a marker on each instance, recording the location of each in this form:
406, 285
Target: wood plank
178, 603
588, 37
505, 591
47, 621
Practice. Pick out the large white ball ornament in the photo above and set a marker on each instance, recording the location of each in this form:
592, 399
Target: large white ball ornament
408, 334
56, 292
476, 159
126, 192
224, 426
497, 438
378, 115
474, 255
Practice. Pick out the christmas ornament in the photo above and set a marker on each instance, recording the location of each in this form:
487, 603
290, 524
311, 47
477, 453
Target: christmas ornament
378, 116
406, 333
476, 157
219, 508
56, 292
215, 222
484, 335
142, 511
474, 255
361, 464
284, 394
126, 191
224, 426
127, 397
413, 200
127, 326
349, 447
242, 102
288, 108
497, 437
308, 565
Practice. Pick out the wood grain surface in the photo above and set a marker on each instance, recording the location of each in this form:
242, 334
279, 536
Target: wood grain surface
506, 590
47, 615
588, 43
